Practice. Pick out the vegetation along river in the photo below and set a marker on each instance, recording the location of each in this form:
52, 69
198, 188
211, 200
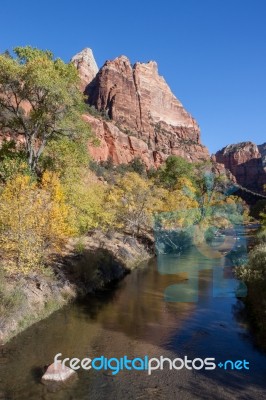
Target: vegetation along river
133, 318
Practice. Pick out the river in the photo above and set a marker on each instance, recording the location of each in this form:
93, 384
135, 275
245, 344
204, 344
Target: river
145, 314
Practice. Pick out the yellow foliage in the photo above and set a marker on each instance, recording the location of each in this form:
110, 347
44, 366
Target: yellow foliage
34, 221
87, 197
174, 205
186, 186
136, 201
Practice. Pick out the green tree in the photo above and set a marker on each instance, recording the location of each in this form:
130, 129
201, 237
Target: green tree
66, 157
39, 100
174, 168
13, 161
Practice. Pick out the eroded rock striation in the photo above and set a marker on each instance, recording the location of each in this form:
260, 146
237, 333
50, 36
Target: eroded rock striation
247, 162
145, 119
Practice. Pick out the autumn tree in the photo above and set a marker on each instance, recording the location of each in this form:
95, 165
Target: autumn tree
87, 198
178, 207
40, 100
83, 191
134, 200
34, 221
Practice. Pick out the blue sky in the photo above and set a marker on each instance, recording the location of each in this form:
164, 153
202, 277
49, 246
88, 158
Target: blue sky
212, 53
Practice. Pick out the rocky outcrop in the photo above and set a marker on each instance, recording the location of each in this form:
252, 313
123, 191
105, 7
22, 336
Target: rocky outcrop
86, 66
145, 118
123, 147
247, 162
220, 170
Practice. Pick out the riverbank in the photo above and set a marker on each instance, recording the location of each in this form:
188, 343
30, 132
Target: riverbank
87, 265
132, 318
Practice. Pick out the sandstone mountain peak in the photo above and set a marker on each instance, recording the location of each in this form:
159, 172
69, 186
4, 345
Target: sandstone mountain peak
86, 65
149, 65
120, 64
86, 55
146, 120
121, 58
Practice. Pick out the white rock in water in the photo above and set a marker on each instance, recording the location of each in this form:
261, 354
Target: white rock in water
58, 373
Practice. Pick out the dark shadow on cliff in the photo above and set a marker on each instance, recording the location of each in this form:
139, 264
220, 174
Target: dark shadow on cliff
252, 176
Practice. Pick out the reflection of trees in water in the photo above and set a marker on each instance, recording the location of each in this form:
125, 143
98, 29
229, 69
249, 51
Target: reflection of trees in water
137, 307
253, 314
140, 310
251, 311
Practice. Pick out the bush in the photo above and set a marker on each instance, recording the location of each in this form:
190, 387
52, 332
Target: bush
34, 220
261, 236
9, 299
13, 161
66, 157
107, 169
92, 110
97, 168
255, 270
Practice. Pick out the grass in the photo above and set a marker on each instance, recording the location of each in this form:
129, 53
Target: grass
10, 300
79, 246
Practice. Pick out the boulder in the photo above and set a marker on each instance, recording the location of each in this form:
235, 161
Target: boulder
58, 374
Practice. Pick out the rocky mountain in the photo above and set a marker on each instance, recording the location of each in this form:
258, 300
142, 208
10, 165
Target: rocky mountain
86, 66
247, 162
142, 117
134, 114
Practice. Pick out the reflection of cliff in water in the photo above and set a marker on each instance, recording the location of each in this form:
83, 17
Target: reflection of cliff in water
140, 309
161, 297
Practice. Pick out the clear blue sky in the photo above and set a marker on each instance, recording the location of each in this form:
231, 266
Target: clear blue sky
211, 52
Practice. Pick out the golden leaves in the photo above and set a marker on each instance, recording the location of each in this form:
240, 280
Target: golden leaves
34, 221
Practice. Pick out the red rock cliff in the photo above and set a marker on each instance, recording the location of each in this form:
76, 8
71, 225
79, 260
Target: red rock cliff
247, 162
146, 119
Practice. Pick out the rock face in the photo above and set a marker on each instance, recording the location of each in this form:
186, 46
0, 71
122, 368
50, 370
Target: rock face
123, 147
145, 118
262, 150
247, 162
86, 66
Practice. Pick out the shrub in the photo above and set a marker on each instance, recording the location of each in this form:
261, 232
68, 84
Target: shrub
34, 220
92, 110
9, 299
255, 270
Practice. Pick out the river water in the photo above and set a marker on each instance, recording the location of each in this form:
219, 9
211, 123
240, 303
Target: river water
172, 306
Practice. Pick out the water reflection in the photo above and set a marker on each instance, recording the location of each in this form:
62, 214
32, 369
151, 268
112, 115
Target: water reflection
134, 318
